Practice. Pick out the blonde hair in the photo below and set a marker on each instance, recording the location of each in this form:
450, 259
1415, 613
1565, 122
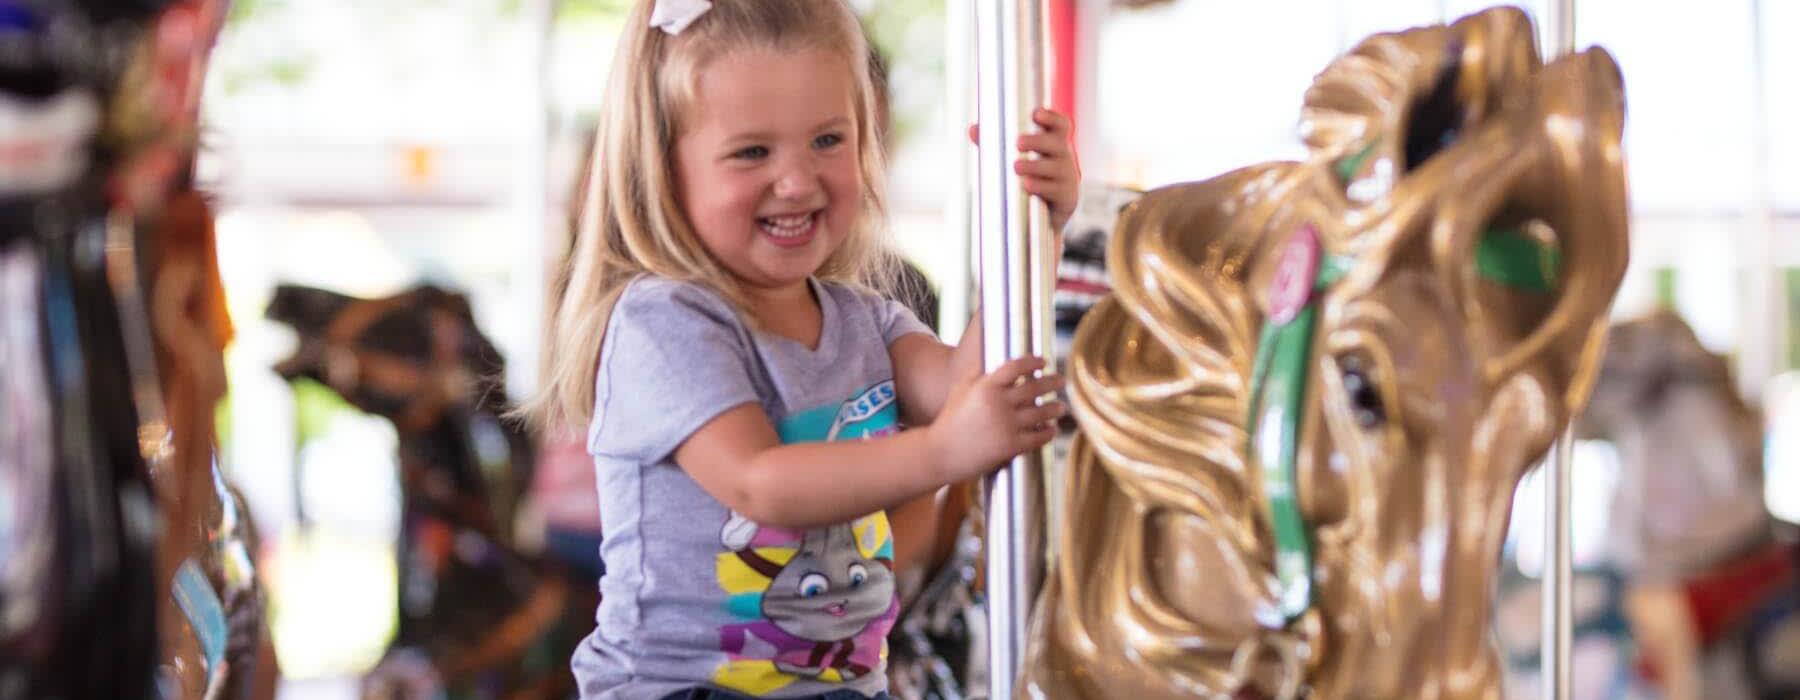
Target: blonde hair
631, 223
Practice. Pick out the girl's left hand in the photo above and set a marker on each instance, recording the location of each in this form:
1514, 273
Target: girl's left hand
1053, 175
1049, 168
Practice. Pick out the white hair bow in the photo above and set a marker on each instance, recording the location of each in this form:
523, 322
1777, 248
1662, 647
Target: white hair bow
672, 16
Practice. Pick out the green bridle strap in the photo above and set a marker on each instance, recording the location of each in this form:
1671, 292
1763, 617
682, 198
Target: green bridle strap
1511, 258
1278, 393
1277, 390
1347, 166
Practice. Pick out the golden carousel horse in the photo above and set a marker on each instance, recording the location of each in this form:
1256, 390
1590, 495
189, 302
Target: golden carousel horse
1709, 585
1305, 406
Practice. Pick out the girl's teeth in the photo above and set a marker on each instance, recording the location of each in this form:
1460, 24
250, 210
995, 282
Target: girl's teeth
785, 226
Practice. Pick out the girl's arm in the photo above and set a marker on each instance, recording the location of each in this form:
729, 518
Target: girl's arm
738, 458
925, 369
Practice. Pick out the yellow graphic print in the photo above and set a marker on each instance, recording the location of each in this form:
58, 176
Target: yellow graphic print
736, 577
824, 618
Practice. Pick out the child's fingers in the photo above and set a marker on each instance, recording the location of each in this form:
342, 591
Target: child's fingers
1045, 145
1027, 392
1037, 436
1056, 193
1046, 169
1040, 415
1010, 373
1050, 119
975, 134
1045, 187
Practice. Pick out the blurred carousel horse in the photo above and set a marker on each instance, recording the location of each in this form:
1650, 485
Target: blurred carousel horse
1713, 597
107, 402
1081, 275
479, 617
1602, 658
78, 513
191, 328
1305, 407
938, 647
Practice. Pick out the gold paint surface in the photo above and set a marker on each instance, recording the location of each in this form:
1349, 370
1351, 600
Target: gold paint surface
1164, 586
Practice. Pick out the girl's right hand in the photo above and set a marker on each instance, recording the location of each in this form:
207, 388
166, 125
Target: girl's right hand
994, 417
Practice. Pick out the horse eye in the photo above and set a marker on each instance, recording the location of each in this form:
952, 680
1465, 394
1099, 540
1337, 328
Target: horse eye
1365, 397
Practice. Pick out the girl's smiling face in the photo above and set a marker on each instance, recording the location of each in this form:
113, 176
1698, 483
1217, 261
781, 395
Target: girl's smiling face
766, 163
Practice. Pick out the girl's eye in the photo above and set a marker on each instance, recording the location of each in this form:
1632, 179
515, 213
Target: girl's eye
813, 585
751, 153
858, 574
827, 140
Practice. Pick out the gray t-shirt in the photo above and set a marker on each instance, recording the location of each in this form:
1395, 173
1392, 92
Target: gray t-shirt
695, 595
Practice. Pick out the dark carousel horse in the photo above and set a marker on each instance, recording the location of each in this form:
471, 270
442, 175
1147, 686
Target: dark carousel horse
124, 569
78, 583
479, 617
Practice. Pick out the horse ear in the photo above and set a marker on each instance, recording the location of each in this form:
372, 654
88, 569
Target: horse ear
307, 309
1436, 81
458, 304
1535, 242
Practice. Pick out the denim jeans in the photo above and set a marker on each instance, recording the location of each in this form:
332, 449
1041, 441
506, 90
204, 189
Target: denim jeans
580, 550
716, 694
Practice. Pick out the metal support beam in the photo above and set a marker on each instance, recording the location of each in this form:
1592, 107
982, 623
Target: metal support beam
529, 199
1558, 570
1015, 256
1554, 649
1763, 319
958, 284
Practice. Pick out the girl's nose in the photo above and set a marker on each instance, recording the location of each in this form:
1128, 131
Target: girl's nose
799, 180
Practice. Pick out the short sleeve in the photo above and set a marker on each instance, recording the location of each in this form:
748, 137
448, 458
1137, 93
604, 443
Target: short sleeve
896, 321
675, 357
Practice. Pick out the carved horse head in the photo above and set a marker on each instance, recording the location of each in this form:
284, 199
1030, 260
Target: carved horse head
417, 359
1306, 405
1688, 520
469, 598
1689, 446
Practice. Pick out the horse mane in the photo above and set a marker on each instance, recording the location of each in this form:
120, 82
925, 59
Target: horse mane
1160, 382
1159, 378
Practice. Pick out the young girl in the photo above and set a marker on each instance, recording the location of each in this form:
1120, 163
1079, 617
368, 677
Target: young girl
744, 388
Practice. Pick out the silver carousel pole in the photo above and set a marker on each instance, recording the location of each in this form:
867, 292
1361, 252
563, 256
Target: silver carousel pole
1015, 253
1553, 650
1764, 316
957, 290
1558, 571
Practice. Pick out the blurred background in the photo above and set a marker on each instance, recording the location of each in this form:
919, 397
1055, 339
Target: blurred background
367, 147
